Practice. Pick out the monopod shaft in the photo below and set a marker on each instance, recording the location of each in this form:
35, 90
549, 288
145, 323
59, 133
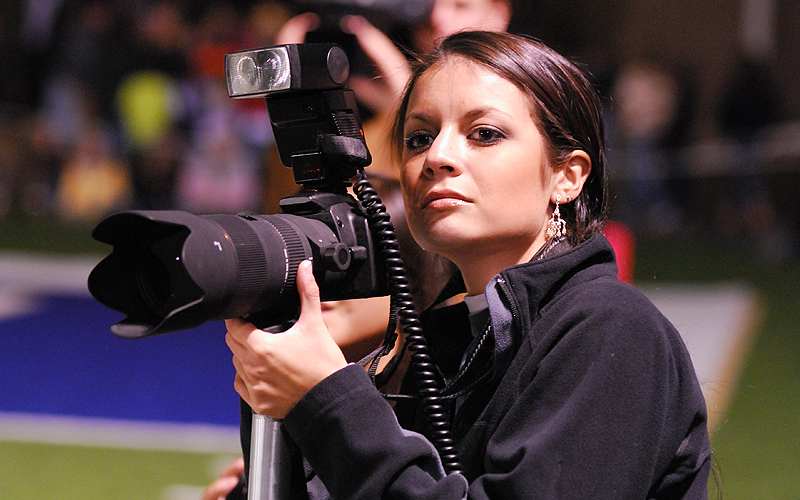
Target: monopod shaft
270, 461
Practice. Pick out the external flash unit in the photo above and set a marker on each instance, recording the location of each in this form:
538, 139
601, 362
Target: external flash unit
258, 72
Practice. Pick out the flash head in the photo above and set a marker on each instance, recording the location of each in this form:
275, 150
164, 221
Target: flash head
314, 119
264, 71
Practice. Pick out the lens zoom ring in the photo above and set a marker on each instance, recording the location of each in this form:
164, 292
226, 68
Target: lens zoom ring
295, 253
251, 263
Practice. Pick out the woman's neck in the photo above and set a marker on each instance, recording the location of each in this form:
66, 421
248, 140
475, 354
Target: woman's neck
477, 277
478, 272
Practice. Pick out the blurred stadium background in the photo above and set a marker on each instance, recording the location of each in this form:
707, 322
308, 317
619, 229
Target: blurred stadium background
106, 104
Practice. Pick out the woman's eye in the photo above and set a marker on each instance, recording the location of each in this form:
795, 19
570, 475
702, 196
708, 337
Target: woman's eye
486, 135
418, 141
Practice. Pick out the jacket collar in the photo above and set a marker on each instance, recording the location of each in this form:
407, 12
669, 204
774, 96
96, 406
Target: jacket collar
515, 297
529, 287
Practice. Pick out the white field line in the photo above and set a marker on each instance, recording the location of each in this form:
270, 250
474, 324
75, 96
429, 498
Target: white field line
127, 434
46, 273
718, 323
24, 276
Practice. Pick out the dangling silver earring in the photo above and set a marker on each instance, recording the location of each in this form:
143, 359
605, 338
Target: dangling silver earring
556, 226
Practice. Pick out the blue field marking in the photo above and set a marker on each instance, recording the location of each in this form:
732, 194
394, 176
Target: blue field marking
57, 357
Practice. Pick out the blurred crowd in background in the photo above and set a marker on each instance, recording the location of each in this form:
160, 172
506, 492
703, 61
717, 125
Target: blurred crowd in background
111, 104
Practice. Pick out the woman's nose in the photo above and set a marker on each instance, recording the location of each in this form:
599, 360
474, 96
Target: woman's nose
443, 155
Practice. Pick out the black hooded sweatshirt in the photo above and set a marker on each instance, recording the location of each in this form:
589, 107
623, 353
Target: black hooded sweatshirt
582, 390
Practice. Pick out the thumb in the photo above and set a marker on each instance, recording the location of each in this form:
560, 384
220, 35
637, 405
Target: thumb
311, 310
324, 354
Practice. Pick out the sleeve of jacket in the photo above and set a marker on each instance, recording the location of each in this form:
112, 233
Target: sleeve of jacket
352, 440
604, 404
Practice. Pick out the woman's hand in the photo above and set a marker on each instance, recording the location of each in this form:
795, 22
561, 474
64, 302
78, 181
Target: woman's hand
228, 479
275, 370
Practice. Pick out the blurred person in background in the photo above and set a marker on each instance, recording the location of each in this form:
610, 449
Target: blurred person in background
747, 209
151, 105
651, 107
224, 164
93, 181
89, 54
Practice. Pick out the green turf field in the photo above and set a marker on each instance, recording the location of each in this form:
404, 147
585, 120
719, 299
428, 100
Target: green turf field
758, 440
38, 471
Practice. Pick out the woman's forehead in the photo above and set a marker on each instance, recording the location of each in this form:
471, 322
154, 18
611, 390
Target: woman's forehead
473, 82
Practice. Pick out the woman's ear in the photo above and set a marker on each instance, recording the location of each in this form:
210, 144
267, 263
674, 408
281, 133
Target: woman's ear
571, 176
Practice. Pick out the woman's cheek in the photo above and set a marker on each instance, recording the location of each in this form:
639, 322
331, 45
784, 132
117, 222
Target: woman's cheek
415, 226
425, 233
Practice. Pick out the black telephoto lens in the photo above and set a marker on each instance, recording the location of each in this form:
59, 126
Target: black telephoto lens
172, 270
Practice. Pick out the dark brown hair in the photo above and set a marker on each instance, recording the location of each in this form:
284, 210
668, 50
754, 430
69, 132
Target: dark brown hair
566, 108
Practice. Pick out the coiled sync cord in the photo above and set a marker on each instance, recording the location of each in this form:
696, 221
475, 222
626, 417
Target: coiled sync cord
422, 364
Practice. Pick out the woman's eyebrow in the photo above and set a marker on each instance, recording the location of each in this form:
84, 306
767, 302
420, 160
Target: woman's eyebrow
469, 115
419, 115
484, 111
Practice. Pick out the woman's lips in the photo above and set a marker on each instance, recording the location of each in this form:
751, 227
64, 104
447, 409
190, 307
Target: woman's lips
443, 199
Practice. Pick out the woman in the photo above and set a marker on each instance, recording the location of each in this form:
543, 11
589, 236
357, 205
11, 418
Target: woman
566, 383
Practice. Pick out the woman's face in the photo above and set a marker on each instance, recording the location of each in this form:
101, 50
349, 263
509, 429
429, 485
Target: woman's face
476, 181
